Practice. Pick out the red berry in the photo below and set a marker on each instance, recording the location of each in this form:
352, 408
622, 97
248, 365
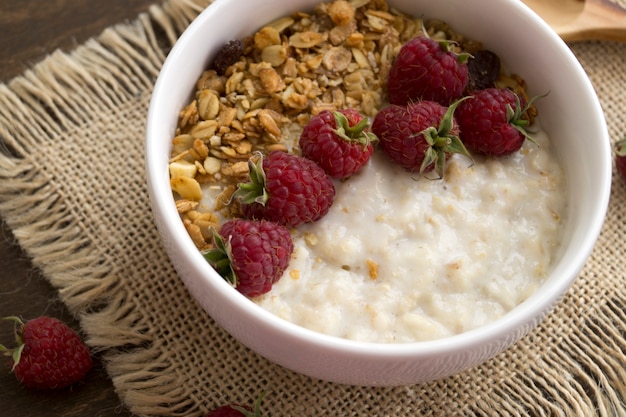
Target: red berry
491, 122
233, 410
427, 70
419, 137
286, 189
620, 158
339, 142
252, 255
49, 355
236, 410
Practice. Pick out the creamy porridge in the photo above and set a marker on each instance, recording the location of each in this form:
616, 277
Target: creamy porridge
399, 258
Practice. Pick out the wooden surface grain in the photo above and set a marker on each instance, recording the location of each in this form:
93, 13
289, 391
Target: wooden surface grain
31, 29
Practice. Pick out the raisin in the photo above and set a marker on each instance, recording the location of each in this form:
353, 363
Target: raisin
227, 56
484, 69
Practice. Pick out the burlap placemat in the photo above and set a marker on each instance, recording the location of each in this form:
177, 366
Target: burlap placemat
73, 191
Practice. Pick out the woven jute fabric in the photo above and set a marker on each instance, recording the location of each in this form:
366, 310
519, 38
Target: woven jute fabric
72, 189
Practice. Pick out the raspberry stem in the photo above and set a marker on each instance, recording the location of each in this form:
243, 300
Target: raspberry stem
256, 412
16, 352
516, 117
442, 141
446, 45
254, 191
620, 147
356, 133
220, 258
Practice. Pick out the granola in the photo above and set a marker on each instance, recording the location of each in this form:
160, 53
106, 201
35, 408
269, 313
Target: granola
335, 56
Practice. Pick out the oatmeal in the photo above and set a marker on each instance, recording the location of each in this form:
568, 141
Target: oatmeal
399, 257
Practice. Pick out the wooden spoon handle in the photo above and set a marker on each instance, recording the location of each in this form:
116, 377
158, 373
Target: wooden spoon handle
600, 19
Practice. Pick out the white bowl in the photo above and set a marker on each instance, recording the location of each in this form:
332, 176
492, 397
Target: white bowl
571, 115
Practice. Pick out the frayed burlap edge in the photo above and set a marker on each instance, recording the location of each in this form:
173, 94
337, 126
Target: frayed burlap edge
65, 91
61, 93
579, 372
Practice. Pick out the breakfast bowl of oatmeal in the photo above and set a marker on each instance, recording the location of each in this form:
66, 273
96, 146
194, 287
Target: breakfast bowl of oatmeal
376, 192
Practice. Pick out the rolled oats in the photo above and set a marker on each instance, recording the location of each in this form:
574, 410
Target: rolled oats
208, 104
202, 129
184, 206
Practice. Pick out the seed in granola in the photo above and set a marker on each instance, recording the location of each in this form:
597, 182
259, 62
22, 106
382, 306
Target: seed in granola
227, 56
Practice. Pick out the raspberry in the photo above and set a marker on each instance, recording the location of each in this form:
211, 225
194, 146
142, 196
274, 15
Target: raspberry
237, 410
49, 355
427, 70
419, 137
233, 410
492, 123
620, 158
340, 142
286, 189
251, 255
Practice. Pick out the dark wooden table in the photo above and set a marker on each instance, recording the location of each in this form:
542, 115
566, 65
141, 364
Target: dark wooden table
31, 29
